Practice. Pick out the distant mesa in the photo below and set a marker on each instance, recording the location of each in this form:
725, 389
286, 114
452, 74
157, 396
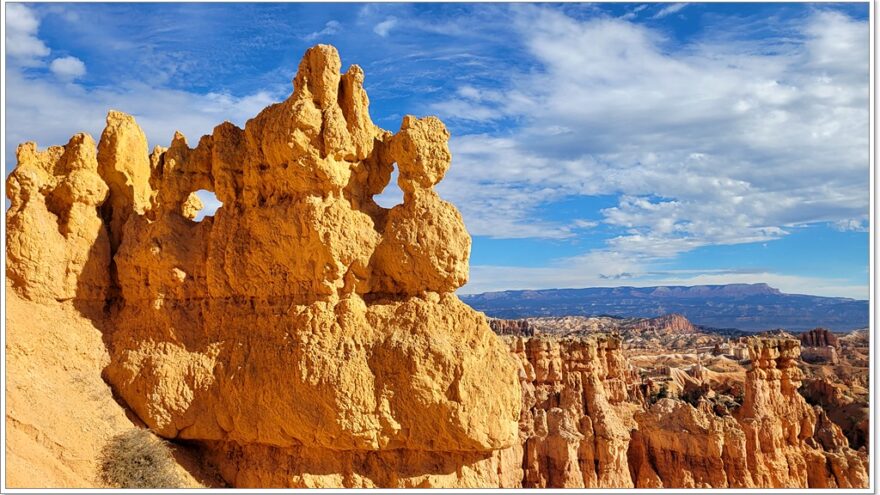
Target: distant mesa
752, 307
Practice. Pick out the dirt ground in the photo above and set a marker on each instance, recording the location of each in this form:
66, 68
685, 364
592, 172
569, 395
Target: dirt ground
59, 412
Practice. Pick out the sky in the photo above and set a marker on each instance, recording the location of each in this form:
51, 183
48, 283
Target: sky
593, 144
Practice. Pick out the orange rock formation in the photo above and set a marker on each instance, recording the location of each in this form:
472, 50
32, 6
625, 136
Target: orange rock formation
775, 439
304, 336
666, 325
302, 316
575, 422
819, 337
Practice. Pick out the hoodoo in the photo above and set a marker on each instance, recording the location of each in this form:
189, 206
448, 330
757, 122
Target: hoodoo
301, 321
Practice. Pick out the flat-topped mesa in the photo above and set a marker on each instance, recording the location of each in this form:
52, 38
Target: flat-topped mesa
301, 316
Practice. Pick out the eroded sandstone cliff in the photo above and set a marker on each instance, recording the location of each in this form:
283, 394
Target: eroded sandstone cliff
576, 419
302, 316
304, 336
774, 439
819, 337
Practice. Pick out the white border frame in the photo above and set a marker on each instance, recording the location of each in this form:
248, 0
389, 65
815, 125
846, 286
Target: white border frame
872, 320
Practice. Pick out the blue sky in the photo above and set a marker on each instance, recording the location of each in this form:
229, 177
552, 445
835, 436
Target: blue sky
593, 144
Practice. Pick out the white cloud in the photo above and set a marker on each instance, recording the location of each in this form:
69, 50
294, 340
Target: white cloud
385, 27
669, 9
851, 225
331, 28
53, 112
22, 43
68, 67
632, 14
584, 224
721, 141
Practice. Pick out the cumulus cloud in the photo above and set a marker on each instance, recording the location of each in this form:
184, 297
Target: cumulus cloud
714, 142
68, 67
22, 42
851, 225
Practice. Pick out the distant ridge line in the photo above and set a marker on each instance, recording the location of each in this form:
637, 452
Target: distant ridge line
752, 307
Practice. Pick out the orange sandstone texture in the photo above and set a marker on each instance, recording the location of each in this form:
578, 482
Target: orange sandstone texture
775, 439
576, 419
304, 336
302, 316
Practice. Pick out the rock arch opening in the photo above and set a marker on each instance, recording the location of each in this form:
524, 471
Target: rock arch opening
200, 204
391, 196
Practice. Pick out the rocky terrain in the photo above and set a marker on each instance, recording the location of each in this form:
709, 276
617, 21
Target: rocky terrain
751, 307
304, 336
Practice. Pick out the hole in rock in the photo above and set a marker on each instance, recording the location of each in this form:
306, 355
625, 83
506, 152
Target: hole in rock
210, 203
392, 195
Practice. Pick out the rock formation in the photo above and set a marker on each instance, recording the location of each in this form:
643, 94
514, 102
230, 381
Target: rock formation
826, 354
851, 415
302, 317
665, 325
57, 246
519, 328
781, 427
774, 439
819, 337
304, 336
575, 421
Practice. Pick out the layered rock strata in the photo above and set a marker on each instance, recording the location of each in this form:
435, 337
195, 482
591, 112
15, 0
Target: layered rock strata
519, 328
670, 324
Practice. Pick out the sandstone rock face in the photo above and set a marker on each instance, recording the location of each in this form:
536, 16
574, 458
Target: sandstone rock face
774, 439
677, 445
780, 426
666, 325
852, 416
519, 328
819, 337
304, 336
826, 354
575, 422
301, 321
57, 246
